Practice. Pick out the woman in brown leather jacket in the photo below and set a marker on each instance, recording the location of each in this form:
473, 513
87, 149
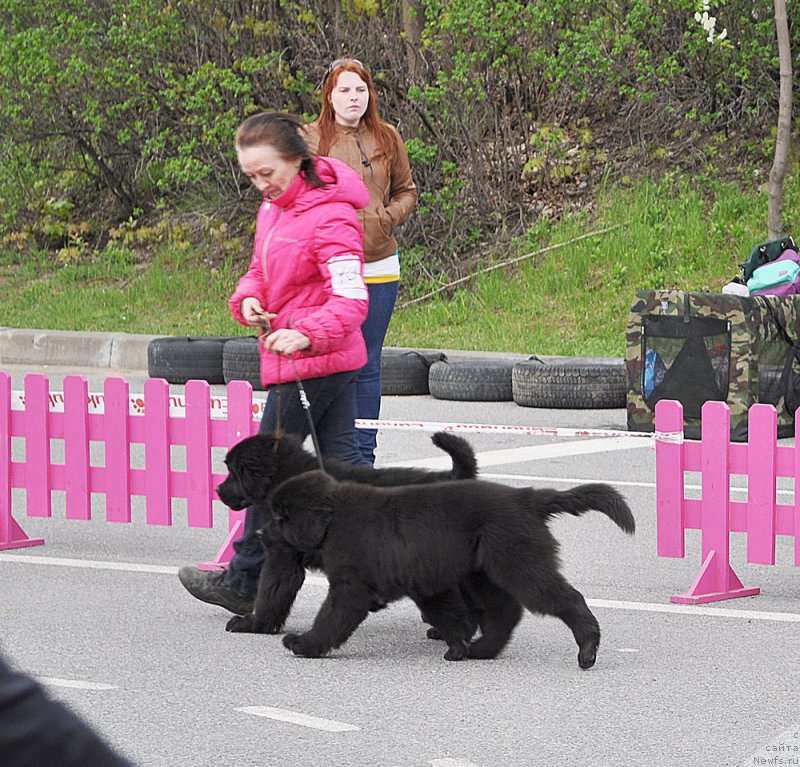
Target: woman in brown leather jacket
350, 129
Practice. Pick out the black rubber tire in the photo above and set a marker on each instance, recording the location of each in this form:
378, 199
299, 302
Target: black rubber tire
575, 383
472, 380
240, 362
405, 372
179, 359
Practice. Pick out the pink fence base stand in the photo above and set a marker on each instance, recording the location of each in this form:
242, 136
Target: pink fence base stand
762, 461
713, 586
225, 554
16, 537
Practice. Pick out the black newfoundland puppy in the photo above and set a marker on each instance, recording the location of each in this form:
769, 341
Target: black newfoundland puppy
257, 464
429, 542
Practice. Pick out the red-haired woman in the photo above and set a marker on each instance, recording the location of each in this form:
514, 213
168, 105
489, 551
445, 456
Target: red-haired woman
350, 129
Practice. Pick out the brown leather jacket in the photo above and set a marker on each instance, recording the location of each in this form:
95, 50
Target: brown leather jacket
392, 194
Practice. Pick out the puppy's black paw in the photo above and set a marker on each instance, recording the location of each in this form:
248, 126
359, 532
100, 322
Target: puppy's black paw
587, 655
483, 649
246, 624
240, 624
434, 633
269, 625
299, 645
457, 652
292, 642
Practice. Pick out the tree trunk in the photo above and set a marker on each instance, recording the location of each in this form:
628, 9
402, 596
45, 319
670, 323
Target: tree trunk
781, 160
413, 22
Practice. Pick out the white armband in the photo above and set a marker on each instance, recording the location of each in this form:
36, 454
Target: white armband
346, 279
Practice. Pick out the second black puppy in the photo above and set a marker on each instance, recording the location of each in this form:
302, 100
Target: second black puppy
257, 464
425, 542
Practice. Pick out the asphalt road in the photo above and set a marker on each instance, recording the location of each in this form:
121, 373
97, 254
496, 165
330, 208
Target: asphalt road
99, 615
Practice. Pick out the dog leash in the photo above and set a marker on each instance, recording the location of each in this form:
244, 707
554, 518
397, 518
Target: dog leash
266, 329
307, 407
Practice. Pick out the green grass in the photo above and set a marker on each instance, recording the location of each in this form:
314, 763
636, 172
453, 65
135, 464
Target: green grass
574, 300
174, 294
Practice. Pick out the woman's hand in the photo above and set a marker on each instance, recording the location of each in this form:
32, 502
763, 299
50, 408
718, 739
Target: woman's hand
286, 341
254, 314
283, 341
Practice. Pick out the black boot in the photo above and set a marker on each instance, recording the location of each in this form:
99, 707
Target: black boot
209, 586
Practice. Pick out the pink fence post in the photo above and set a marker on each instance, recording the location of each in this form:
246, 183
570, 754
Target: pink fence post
37, 446
158, 459
117, 445
797, 492
240, 425
669, 478
12, 536
762, 453
199, 490
76, 448
6, 520
716, 580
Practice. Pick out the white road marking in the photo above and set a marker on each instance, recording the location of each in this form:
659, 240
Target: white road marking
318, 580
789, 494
564, 480
451, 763
534, 452
294, 717
713, 612
74, 684
91, 564
654, 607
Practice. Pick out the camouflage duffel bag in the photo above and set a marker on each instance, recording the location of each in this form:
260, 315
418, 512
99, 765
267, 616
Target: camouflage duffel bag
697, 347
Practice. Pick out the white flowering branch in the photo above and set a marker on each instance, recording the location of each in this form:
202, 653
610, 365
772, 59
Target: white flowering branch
709, 24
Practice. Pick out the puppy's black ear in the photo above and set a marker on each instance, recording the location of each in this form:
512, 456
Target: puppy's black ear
303, 508
255, 467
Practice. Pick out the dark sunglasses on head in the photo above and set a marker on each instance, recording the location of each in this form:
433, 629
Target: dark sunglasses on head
339, 63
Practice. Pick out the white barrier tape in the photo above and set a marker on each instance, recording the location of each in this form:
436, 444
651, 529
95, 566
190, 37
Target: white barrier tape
670, 437
219, 409
478, 428
177, 404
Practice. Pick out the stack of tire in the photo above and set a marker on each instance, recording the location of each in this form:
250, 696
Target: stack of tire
570, 382
216, 359
557, 382
179, 359
240, 362
407, 371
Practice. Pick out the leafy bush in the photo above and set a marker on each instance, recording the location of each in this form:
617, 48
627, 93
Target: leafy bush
513, 110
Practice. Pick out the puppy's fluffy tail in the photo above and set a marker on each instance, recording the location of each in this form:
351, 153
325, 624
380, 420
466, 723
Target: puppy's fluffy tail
583, 498
464, 464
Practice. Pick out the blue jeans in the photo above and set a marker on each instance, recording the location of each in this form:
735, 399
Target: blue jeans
382, 297
332, 401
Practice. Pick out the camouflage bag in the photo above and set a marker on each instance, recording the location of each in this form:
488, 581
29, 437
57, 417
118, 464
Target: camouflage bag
696, 347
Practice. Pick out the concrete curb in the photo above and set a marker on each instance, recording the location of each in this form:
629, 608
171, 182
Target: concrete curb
126, 351
66, 348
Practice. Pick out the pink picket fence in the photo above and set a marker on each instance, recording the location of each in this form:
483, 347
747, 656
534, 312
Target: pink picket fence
119, 422
761, 460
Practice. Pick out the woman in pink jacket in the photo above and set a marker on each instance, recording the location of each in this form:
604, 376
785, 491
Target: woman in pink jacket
305, 287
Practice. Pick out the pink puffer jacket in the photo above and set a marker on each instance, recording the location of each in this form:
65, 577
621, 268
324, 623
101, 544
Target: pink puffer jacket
307, 268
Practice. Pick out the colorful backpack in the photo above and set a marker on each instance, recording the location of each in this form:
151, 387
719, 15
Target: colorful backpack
764, 253
777, 278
